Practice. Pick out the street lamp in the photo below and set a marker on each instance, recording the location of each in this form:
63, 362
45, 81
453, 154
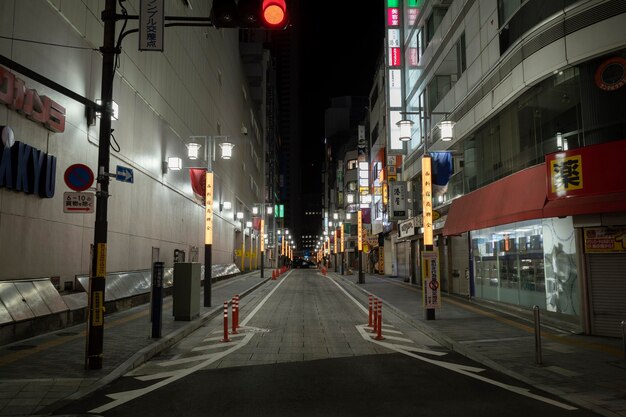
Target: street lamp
195, 145
264, 210
446, 127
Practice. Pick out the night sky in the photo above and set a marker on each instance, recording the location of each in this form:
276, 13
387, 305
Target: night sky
341, 41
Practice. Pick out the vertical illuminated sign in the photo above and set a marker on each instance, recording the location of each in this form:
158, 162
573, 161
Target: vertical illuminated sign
208, 209
413, 12
342, 238
336, 241
359, 224
262, 233
395, 51
394, 67
427, 200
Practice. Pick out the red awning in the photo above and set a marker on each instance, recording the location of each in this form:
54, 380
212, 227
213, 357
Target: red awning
591, 204
518, 197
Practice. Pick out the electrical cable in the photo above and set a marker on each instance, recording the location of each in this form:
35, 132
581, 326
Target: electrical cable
119, 148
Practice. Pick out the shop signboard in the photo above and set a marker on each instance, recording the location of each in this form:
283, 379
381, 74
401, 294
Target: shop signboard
398, 197
586, 171
605, 239
407, 228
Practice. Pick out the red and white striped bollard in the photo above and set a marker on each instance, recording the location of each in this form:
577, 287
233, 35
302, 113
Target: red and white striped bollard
225, 339
235, 314
379, 336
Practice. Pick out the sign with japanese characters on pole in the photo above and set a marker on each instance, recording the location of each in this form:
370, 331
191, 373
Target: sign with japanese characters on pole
427, 200
151, 25
208, 235
431, 287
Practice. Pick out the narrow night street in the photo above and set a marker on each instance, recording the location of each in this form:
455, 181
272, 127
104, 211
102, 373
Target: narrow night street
303, 350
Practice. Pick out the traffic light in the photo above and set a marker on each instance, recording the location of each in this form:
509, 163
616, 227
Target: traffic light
268, 14
274, 14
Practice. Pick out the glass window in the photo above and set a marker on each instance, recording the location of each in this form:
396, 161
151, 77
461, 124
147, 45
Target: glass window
461, 60
437, 89
528, 263
433, 22
507, 8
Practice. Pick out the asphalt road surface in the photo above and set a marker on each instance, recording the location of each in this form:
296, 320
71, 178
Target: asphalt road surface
304, 349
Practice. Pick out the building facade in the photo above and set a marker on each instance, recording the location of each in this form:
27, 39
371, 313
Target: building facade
196, 89
529, 213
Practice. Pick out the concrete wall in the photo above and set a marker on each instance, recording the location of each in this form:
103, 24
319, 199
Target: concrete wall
195, 87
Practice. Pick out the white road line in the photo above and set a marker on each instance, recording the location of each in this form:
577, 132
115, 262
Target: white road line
120, 398
214, 346
462, 369
468, 371
214, 339
399, 339
392, 331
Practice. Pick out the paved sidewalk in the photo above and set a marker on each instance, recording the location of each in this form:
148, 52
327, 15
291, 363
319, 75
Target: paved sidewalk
587, 371
37, 374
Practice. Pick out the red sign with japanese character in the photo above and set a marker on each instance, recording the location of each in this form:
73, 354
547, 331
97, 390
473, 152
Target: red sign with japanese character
591, 170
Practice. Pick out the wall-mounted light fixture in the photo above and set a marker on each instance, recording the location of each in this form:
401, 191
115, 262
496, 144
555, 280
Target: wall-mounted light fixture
114, 109
174, 163
561, 142
239, 215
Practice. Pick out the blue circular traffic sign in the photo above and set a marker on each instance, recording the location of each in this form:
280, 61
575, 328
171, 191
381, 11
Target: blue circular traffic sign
78, 177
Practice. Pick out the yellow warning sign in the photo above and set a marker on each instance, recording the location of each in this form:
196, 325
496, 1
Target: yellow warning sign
97, 318
101, 260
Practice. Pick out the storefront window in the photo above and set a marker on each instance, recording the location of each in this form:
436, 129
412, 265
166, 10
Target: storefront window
528, 263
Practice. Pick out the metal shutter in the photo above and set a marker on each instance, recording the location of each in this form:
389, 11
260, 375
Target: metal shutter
608, 293
403, 259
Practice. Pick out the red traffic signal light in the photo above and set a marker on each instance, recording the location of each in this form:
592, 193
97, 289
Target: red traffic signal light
274, 14
268, 14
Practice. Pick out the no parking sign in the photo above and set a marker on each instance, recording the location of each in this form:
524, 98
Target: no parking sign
78, 177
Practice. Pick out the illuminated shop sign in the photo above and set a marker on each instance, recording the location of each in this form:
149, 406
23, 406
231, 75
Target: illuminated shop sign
393, 13
26, 169
413, 11
27, 101
394, 76
395, 88
394, 46
590, 170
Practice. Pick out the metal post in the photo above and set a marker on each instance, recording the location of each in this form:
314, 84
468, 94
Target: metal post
430, 312
343, 272
208, 275
157, 299
623, 324
538, 354
208, 251
95, 328
361, 276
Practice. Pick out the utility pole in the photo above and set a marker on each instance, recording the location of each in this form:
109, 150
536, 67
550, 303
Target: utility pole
95, 331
